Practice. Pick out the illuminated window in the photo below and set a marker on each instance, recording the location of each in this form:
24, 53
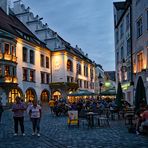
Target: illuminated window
13, 51
31, 56
25, 74
42, 60
30, 95
25, 56
32, 75
7, 48
47, 62
13, 94
7, 71
140, 61
139, 27
44, 96
56, 95
69, 66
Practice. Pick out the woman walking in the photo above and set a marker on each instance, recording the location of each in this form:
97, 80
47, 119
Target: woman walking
18, 115
35, 115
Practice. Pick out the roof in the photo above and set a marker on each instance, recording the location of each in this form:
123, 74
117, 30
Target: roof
120, 5
13, 25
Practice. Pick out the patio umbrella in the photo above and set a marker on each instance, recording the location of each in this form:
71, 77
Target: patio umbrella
119, 96
140, 96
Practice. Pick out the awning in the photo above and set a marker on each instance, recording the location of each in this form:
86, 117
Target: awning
109, 92
82, 93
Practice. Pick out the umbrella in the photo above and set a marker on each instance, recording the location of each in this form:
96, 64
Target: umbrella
119, 96
109, 92
140, 96
82, 93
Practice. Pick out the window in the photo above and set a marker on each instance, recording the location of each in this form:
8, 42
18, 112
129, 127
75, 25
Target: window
31, 56
0, 70
117, 57
139, 27
14, 71
7, 48
86, 70
32, 76
7, 71
91, 74
121, 30
140, 61
42, 77
69, 66
127, 21
47, 78
25, 54
25, 74
13, 51
80, 83
47, 62
147, 19
42, 60
122, 53
117, 36
78, 69
128, 46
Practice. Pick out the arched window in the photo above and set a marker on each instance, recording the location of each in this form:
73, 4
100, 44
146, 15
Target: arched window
45, 96
69, 65
13, 94
56, 95
30, 95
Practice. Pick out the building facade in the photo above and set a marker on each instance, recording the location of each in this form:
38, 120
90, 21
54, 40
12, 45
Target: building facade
35, 62
131, 37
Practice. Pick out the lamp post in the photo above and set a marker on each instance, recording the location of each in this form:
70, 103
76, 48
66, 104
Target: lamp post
100, 85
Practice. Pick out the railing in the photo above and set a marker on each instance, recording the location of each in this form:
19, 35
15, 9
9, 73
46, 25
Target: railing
8, 57
8, 79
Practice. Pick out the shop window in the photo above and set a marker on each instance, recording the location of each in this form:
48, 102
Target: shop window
30, 95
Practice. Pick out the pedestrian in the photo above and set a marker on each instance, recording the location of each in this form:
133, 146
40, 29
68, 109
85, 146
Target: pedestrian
35, 115
18, 109
1, 110
51, 105
29, 106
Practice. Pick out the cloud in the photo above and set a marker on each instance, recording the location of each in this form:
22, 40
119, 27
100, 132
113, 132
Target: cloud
87, 23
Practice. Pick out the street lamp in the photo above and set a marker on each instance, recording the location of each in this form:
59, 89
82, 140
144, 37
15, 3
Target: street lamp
100, 84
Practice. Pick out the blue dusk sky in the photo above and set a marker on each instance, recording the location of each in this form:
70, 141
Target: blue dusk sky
86, 23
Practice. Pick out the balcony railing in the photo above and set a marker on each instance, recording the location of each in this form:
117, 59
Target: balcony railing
8, 57
8, 79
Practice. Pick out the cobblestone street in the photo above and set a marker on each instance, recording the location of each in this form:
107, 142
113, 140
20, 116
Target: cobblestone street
56, 134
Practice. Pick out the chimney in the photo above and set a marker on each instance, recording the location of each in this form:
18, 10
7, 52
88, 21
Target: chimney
4, 4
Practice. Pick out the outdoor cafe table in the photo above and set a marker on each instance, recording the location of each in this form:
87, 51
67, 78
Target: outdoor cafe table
90, 116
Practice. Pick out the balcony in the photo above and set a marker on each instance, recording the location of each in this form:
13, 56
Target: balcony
8, 79
8, 57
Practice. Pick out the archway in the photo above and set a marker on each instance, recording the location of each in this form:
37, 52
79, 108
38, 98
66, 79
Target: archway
13, 93
30, 95
44, 96
56, 95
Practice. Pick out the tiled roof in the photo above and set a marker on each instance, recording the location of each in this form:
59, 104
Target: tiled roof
13, 25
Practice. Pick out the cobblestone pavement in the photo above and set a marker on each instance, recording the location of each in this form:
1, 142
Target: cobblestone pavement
56, 134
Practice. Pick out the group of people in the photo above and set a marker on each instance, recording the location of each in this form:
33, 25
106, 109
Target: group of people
34, 111
142, 118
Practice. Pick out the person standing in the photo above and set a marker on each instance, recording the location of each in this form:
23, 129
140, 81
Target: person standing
18, 115
51, 105
35, 115
1, 110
